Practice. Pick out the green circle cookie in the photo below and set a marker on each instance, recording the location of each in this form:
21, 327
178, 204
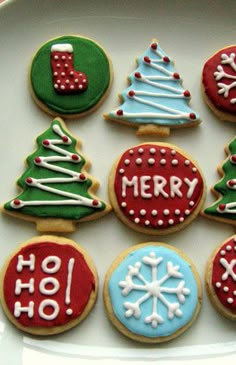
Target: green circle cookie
70, 76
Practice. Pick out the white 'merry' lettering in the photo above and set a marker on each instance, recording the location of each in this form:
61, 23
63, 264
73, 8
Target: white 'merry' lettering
142, 186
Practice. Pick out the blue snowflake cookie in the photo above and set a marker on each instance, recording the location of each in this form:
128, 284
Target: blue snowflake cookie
152, 292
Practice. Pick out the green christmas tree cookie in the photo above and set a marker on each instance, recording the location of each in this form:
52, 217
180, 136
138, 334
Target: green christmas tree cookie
57, 192
224, 209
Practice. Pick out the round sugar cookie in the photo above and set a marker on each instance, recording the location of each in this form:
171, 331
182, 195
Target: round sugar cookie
48, 285
219, 87
152, 293
220, 278
70, 76
156, 188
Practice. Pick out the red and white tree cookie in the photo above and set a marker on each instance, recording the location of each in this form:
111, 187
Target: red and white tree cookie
48, 285
221, 278
156, 188
219, 83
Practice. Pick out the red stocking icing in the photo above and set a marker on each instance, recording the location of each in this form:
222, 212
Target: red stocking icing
66, 80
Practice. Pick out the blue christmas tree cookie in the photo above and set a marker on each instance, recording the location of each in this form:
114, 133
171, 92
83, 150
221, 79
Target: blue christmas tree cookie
155, 99
152, 293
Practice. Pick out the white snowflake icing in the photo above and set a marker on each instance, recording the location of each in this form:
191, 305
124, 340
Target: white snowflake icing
220, 73
154, 289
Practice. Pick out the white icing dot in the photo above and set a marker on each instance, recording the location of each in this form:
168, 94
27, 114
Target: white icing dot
177, 212
56, 86
174, 162
62, 87
126, 161
131, 212
147, 222
152, 151
63, 57
173, 152
171, 221
222, 252
234, 239
194, 169
76, 80
84, 81
138, 161
151, 161
166, 212
67, 81
72, 87
58, 81
56, 57
58, 65
230, 300
142, 211
124, 204
191, 203
162, 161
121, 171
131, 152
234, 248
140, 150
187, 212
55, 73
187, 162
234, 293
63, 74
66, 65
181, 219
137, 220
80, 74
163, 151
226, 289
218, 284
69, 311
154, 212
69, 58
228, 248
80, 87
71, 73
160, 222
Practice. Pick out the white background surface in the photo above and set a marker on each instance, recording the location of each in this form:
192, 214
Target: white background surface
189, 32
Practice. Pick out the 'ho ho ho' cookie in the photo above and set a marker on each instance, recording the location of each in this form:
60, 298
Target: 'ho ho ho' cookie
156, 188
70, 76
152, 293
48, 285
219, 87
221, 278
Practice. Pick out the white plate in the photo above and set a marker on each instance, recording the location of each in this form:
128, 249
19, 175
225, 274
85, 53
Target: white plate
189, 31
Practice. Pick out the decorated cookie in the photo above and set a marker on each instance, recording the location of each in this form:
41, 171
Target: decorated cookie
57, 192
48, 285
221, 278
70, 76
219, 85
155, 99
156, 188
224, 208
152, 292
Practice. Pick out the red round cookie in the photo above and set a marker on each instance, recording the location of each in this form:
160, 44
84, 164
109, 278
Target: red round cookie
156, 188
219, 82
221, 278
48, 285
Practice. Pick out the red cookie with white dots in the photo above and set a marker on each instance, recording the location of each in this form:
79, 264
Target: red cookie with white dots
221, 278
219, 86
48, 285
156, 188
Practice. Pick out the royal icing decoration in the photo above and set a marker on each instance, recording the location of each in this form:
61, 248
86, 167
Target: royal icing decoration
155, 95
55, 178
225, 207
153, 291
223, 278
219, 79
66, 80
70, 76
47, 284
156, 186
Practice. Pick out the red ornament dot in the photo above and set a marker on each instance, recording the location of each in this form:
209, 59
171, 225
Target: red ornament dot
16, 202
176, 75
95, 202
65, 139
154, 46
233, 158
192, 116
119, 112
138, 75
131, 93
146, 59
29, 180
187, 94
37, 159
222, 207
82, 177
231, 183
46, 142
75, 157
166, 59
